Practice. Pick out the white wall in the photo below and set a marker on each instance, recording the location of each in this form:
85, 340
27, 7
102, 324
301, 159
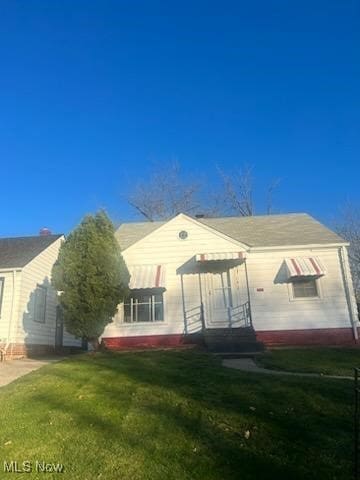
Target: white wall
10, 303
272, 309
275, 309
38, 272
163, 247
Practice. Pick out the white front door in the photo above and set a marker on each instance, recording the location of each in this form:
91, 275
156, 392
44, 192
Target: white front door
219, 299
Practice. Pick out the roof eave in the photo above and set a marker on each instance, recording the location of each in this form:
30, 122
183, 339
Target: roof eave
10, 269
300, 246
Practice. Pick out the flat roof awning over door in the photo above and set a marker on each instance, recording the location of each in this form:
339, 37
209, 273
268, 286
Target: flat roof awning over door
146, 276
209, 257
304, 267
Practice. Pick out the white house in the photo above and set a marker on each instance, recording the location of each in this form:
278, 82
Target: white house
29, 320
282, 279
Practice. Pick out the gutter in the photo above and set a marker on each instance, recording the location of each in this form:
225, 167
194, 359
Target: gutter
309, 246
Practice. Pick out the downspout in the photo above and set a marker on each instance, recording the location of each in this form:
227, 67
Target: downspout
348, 290
183, 304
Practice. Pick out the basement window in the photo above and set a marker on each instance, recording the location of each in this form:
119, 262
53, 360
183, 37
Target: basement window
144, 306
305, 288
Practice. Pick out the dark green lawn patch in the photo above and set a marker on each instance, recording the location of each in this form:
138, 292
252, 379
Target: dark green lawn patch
326, 361
176, 415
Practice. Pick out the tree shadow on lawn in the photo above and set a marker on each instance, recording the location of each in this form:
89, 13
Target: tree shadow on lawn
297, 426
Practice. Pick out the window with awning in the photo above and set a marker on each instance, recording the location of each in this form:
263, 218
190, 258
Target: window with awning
214, 256
300, 267
146, 276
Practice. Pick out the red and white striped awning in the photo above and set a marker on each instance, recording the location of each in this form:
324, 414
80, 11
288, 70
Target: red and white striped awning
304, 267
146, 276
206, 257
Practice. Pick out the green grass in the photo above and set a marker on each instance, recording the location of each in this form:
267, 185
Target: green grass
176, 415
326, 361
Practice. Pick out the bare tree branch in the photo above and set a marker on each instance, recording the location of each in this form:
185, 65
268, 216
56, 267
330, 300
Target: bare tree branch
270, 195
165, 194
348, 226
238, 191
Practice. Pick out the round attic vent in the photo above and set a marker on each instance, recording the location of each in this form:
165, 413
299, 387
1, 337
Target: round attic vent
183, 235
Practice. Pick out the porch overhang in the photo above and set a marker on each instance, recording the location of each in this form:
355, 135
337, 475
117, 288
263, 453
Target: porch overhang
218, 256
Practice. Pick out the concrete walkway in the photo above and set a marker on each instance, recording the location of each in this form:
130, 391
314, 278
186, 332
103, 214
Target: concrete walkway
10, 370
248, 365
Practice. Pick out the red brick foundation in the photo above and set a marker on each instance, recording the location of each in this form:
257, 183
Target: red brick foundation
145, 341
323, 336
19, 350
270, 338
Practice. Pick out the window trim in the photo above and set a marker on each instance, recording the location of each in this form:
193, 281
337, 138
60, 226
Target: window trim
2, 281
43, 288
319, 296
130, 302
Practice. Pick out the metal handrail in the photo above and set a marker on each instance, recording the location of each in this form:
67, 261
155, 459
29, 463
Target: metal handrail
242, 312
196, 313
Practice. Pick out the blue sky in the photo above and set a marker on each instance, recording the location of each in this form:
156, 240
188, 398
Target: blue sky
94, 93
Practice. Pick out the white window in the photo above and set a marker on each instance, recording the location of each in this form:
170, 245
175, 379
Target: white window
2, 281
40, 304
144, 306
305, 288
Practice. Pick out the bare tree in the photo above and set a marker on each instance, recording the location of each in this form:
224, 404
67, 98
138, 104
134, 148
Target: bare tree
270, 195
164, 194
236, 195
348, 227
237, 191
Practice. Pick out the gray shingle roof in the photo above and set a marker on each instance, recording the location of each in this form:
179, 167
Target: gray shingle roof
129, 233
274, 230
16, 252
256, 231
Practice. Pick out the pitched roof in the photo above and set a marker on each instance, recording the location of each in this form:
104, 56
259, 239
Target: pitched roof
255, 231
16, 252
129, 233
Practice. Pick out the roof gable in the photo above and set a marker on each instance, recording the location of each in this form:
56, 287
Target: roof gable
256, 231
17, 252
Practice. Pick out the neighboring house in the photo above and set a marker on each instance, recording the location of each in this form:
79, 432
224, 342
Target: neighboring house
29, 323
284, 279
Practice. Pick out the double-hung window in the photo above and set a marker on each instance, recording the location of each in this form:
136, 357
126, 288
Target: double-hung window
305, 288
144, 306
40, 304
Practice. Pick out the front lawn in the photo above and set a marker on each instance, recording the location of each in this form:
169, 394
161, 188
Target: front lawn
326, 361
176, 415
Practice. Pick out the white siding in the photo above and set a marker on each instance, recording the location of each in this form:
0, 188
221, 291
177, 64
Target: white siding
275, 309
163, 247
10, 302
38, 272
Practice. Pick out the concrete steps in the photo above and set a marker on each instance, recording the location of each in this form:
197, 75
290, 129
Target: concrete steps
232, 340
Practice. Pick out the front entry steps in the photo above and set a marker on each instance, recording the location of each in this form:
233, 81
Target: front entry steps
232, 340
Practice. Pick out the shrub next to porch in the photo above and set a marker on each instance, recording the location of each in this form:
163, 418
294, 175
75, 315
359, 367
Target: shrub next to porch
92, 277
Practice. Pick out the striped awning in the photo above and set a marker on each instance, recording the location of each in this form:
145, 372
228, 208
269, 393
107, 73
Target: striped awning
146, 276
206, 257
304, 267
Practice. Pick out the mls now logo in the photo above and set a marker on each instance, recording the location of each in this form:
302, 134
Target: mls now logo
27, 467
17, 467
